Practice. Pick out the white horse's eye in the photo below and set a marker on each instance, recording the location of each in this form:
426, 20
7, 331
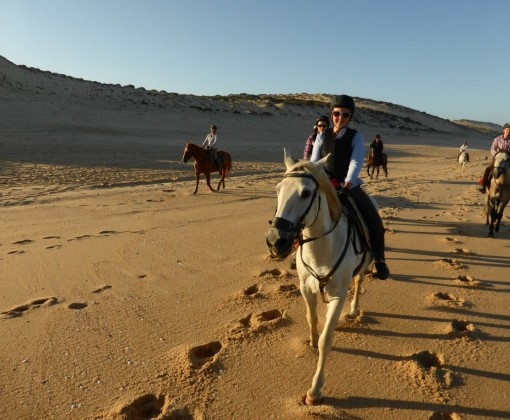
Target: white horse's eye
306, 194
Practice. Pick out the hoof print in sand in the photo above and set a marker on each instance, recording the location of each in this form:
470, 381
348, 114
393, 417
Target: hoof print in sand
290, 289
275, 273
33, 304
255, 323
449, 263
463, 251
470, 281
252, 292
147, 406
77, 305
428, 372
451, 241
205, 354
462, 329
447, 299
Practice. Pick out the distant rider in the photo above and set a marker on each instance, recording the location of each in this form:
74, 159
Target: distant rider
463, 148
210, 143
500, 143
377, 146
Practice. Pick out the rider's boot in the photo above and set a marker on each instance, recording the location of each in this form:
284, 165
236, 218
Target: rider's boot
381, 268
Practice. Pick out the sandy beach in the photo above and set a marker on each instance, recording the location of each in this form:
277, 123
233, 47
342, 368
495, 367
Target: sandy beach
125, 296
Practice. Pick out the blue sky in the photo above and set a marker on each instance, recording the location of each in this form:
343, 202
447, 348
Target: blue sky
449, 58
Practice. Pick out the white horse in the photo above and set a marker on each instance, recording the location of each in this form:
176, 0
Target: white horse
331, 253
498, 193
463, 160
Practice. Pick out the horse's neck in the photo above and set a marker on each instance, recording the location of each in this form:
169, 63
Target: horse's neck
323, 224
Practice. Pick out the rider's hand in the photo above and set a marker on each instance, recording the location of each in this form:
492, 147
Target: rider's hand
347, 185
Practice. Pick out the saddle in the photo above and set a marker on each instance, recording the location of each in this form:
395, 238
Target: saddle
350, 210
355, 219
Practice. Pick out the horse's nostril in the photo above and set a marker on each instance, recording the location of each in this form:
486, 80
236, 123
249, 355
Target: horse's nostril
282, 243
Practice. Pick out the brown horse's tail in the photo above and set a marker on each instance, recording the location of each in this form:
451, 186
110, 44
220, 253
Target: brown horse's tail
227, 162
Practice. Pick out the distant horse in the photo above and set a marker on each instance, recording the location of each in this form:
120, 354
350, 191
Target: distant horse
498, 193
330, 256
374, 163
204, 165
462, 160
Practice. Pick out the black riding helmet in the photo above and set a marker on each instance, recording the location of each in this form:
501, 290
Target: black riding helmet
322, 118
343, 101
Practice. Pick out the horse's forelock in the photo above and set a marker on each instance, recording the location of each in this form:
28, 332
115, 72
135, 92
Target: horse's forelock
335, 208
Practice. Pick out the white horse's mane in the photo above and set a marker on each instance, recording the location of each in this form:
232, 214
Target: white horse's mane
317, 171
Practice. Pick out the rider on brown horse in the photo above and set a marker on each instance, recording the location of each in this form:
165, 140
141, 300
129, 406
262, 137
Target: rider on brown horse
377, 147
210, 143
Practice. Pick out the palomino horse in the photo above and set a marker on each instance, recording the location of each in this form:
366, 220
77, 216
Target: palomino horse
498, 193
374, 163
204, 165
463, 159
331, 253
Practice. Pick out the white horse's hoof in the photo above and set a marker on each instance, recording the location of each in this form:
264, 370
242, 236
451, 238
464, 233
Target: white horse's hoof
307, 400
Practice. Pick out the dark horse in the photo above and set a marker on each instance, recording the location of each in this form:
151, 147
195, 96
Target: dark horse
374, 163
204, 164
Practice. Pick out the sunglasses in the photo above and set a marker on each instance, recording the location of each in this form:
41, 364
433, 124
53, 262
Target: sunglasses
341, 114
321, 125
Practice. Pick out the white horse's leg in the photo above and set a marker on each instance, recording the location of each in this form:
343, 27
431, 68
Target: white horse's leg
314, 394
358, 279
311, 314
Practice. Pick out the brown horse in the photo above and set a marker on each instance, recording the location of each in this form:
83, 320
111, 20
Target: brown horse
204, 165
374, 163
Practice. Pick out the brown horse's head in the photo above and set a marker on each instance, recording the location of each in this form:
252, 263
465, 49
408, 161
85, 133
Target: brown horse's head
187, 153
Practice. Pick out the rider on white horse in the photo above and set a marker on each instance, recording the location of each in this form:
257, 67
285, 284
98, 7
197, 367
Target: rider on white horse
463, 148
347, 147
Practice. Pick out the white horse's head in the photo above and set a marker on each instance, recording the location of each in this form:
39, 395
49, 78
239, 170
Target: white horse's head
299, 197
501, 164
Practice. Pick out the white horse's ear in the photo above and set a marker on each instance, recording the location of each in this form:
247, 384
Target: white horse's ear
288, 159
324, 160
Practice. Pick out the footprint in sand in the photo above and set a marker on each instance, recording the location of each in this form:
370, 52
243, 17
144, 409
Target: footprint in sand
274, 273
52, 237
57, 246
463, 251
149, 406
205, 354
16, 252
462, 329
427, 371
451, 241
33, 304
470, 281
447, 299
256, 323
449, 263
